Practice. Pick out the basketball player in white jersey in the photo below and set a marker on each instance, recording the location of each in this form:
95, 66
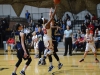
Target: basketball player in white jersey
55, 44
89, 45
49, 49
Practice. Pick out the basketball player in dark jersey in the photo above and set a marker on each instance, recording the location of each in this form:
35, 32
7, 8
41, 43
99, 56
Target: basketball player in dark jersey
22, 51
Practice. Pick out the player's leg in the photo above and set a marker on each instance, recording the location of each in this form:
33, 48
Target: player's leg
51, 65
47, 53
42, 60
19, 55
95, 53
55, 54
27, 63
57, 58
49, 50
39, 62
86, 51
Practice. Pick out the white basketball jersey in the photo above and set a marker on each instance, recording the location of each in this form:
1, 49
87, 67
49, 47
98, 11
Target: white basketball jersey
46, 39
88, 37
47, 36
49, 31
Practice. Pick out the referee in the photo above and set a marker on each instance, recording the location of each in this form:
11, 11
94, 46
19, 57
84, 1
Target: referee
68, 40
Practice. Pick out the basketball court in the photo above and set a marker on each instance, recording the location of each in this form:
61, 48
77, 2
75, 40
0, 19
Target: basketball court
71, 66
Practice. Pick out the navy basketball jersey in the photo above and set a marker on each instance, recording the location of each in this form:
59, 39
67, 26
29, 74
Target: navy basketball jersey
18, 40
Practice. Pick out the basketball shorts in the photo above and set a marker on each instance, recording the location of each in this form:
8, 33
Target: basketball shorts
90, 47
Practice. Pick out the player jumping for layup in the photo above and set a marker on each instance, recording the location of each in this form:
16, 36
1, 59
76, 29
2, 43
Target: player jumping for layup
49, 46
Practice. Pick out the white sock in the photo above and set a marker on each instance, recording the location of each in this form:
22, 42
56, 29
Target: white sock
24, 69
58, 62
14, 72
50, 63
40, 59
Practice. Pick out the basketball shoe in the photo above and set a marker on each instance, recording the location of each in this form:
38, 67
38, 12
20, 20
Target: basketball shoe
60, 66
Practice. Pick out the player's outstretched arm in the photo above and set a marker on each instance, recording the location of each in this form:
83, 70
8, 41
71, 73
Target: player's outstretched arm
50, 13
48, 23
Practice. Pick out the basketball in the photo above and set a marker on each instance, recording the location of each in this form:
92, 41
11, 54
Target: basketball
56, 1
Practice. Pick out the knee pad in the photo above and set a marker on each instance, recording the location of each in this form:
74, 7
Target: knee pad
29, 61
18, 63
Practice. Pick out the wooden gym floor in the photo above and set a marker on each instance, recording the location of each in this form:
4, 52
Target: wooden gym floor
71, 66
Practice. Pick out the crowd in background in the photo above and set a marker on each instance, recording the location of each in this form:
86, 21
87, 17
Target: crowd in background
90, 22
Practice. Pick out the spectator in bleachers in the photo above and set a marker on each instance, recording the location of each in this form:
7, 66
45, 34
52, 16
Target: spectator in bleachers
11, 43
97, 24
82, 34
63, 26
87, 17
24, 28
4, 24
30, 20
29, 40
35, 43
91, 28
68, 22
33, 25
93, 22
8, 33
94, 17
13, 33
96, 31
36, 28
4, 27
58, 20
83, 28
27, 14
27, 31
78, 34
67, 17
80, 42
74, 44
96, 41
31, 28
60, 23
87, 22
91, 31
